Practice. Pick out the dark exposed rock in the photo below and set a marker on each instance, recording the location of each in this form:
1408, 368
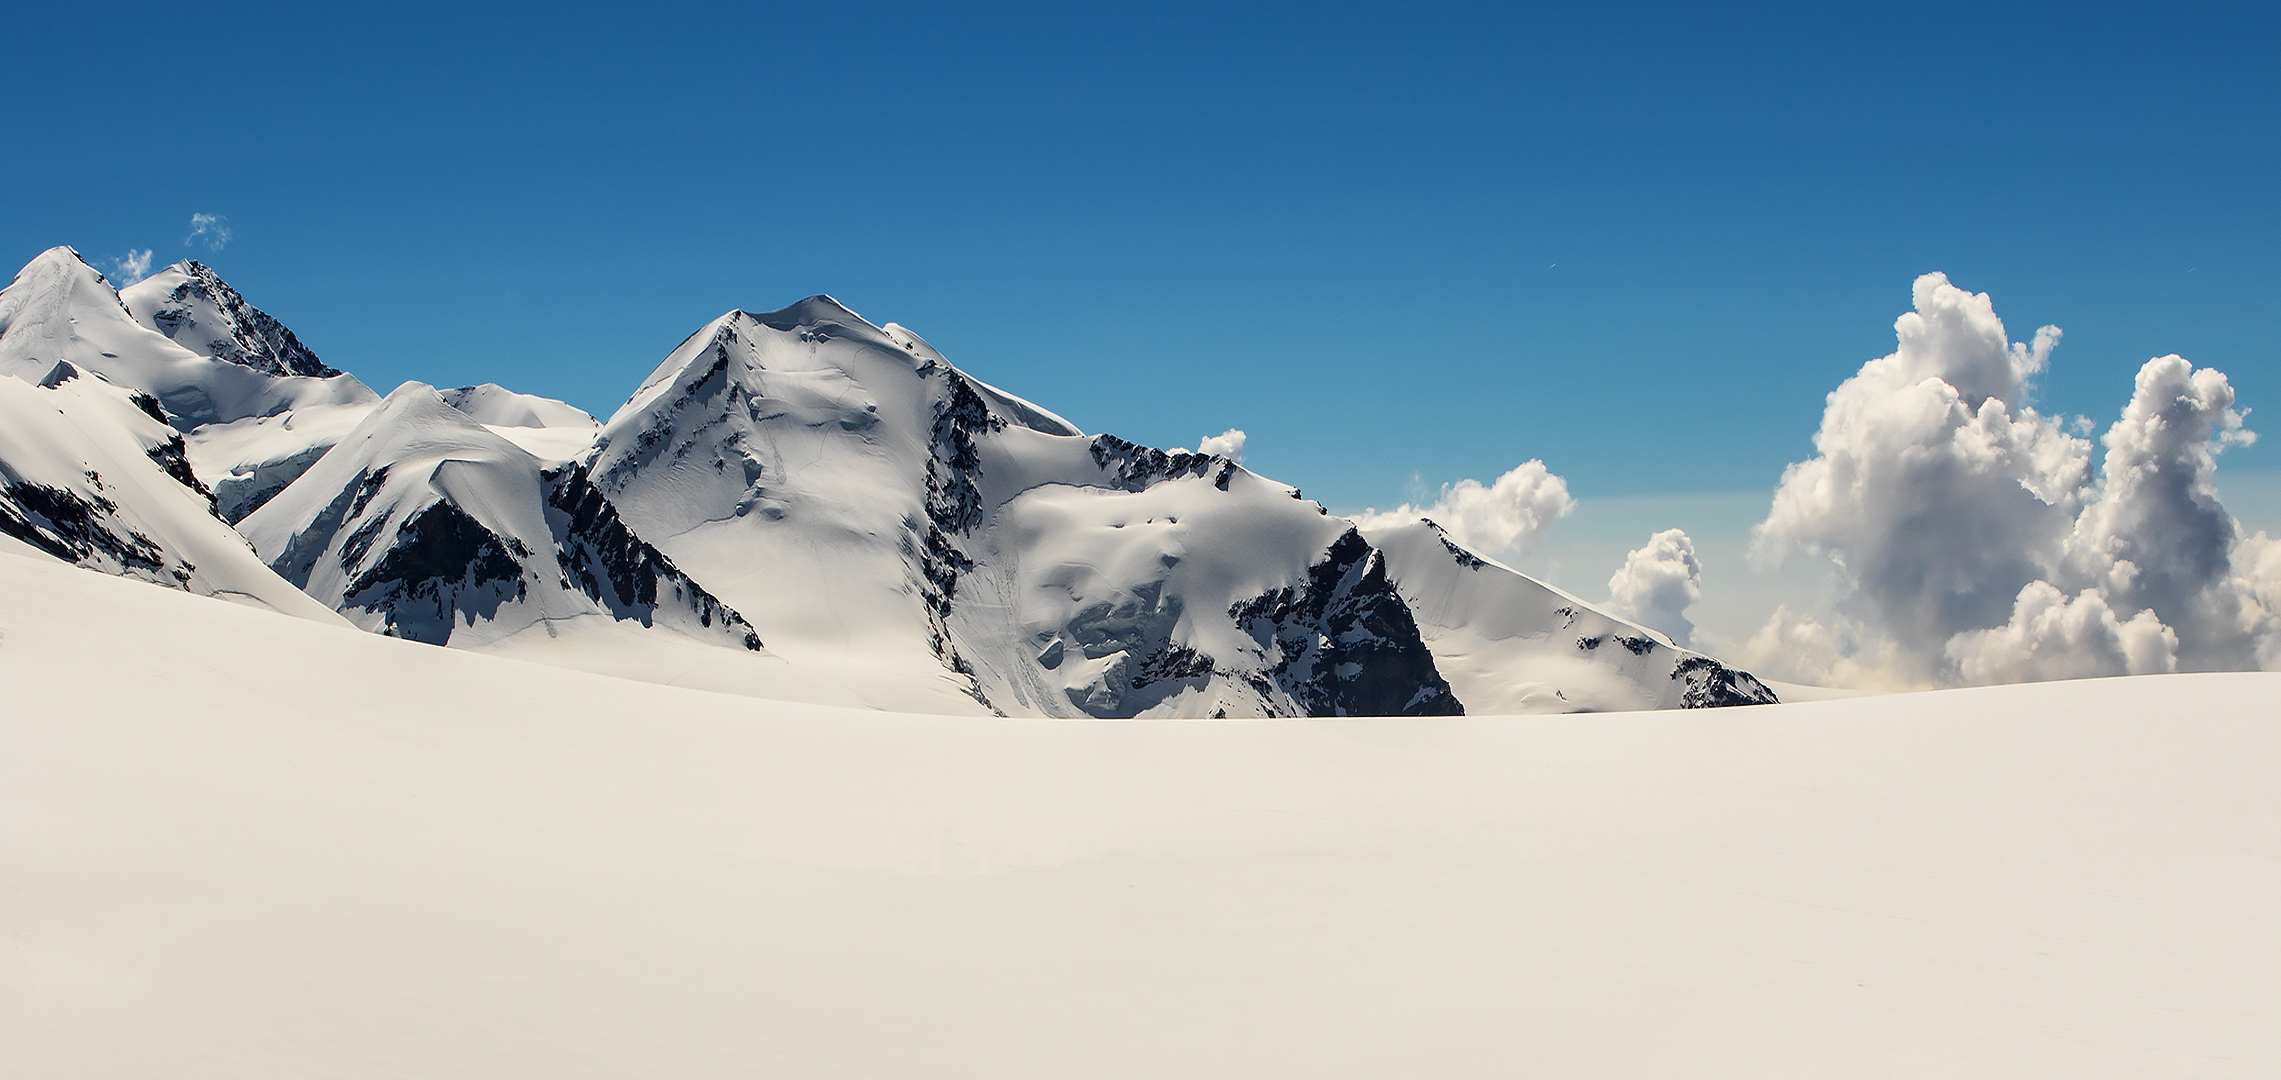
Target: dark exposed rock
1464, 558
441, 566
603, 558
1639, 646
1133, 467
1710, 684
73, 527
1345, 643
954, 510
148, 403
173, 455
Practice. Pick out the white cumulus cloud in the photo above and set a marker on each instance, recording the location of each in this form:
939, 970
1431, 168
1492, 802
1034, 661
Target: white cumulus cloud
1503, 518
2155, 535
2051, 636
131, 267
1936, 503
210, 230
1227, 444
1974, 542
1798, 646
1658, 583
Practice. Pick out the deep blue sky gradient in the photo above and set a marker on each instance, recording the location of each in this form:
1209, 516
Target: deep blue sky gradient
1389, 241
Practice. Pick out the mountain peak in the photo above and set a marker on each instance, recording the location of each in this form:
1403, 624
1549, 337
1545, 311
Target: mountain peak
191, 304
55, 273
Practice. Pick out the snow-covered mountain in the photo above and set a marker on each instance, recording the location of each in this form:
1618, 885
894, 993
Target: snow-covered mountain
257, 409
866, 503
60, 308
900, 533
422, 523
249, 461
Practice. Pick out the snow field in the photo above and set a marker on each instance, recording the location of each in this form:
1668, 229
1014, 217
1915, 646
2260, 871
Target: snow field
236, 844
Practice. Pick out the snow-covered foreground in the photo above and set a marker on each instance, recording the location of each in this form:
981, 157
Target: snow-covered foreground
236, 844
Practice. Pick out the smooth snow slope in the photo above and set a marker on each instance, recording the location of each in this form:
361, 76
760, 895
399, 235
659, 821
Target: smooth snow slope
371, 858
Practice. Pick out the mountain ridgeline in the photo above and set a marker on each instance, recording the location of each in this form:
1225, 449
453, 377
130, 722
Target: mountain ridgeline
796, 504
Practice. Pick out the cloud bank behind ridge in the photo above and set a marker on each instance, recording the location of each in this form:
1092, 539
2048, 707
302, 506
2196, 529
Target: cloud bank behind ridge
1502, 518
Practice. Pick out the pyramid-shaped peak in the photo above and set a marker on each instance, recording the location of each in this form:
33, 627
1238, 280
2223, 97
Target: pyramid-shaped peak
52, 307
58, 258
58, 266
191, 304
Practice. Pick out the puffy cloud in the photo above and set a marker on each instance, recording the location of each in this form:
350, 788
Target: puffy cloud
2155, 536
1955, 336
1227, 444
2053, 637
2257, 565
1658, 583
131, 267
211, 230
1801, 648
1972, 543
1503, 518
1935, 497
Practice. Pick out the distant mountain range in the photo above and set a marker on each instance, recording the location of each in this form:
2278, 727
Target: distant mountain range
797, 504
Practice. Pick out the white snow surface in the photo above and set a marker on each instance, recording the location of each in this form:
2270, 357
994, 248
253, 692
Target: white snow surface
376, 859
496, 406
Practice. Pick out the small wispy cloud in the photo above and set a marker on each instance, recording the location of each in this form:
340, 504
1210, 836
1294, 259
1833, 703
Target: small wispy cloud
131, 267
209, 230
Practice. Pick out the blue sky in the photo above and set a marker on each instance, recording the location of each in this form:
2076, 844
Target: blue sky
1393, 243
